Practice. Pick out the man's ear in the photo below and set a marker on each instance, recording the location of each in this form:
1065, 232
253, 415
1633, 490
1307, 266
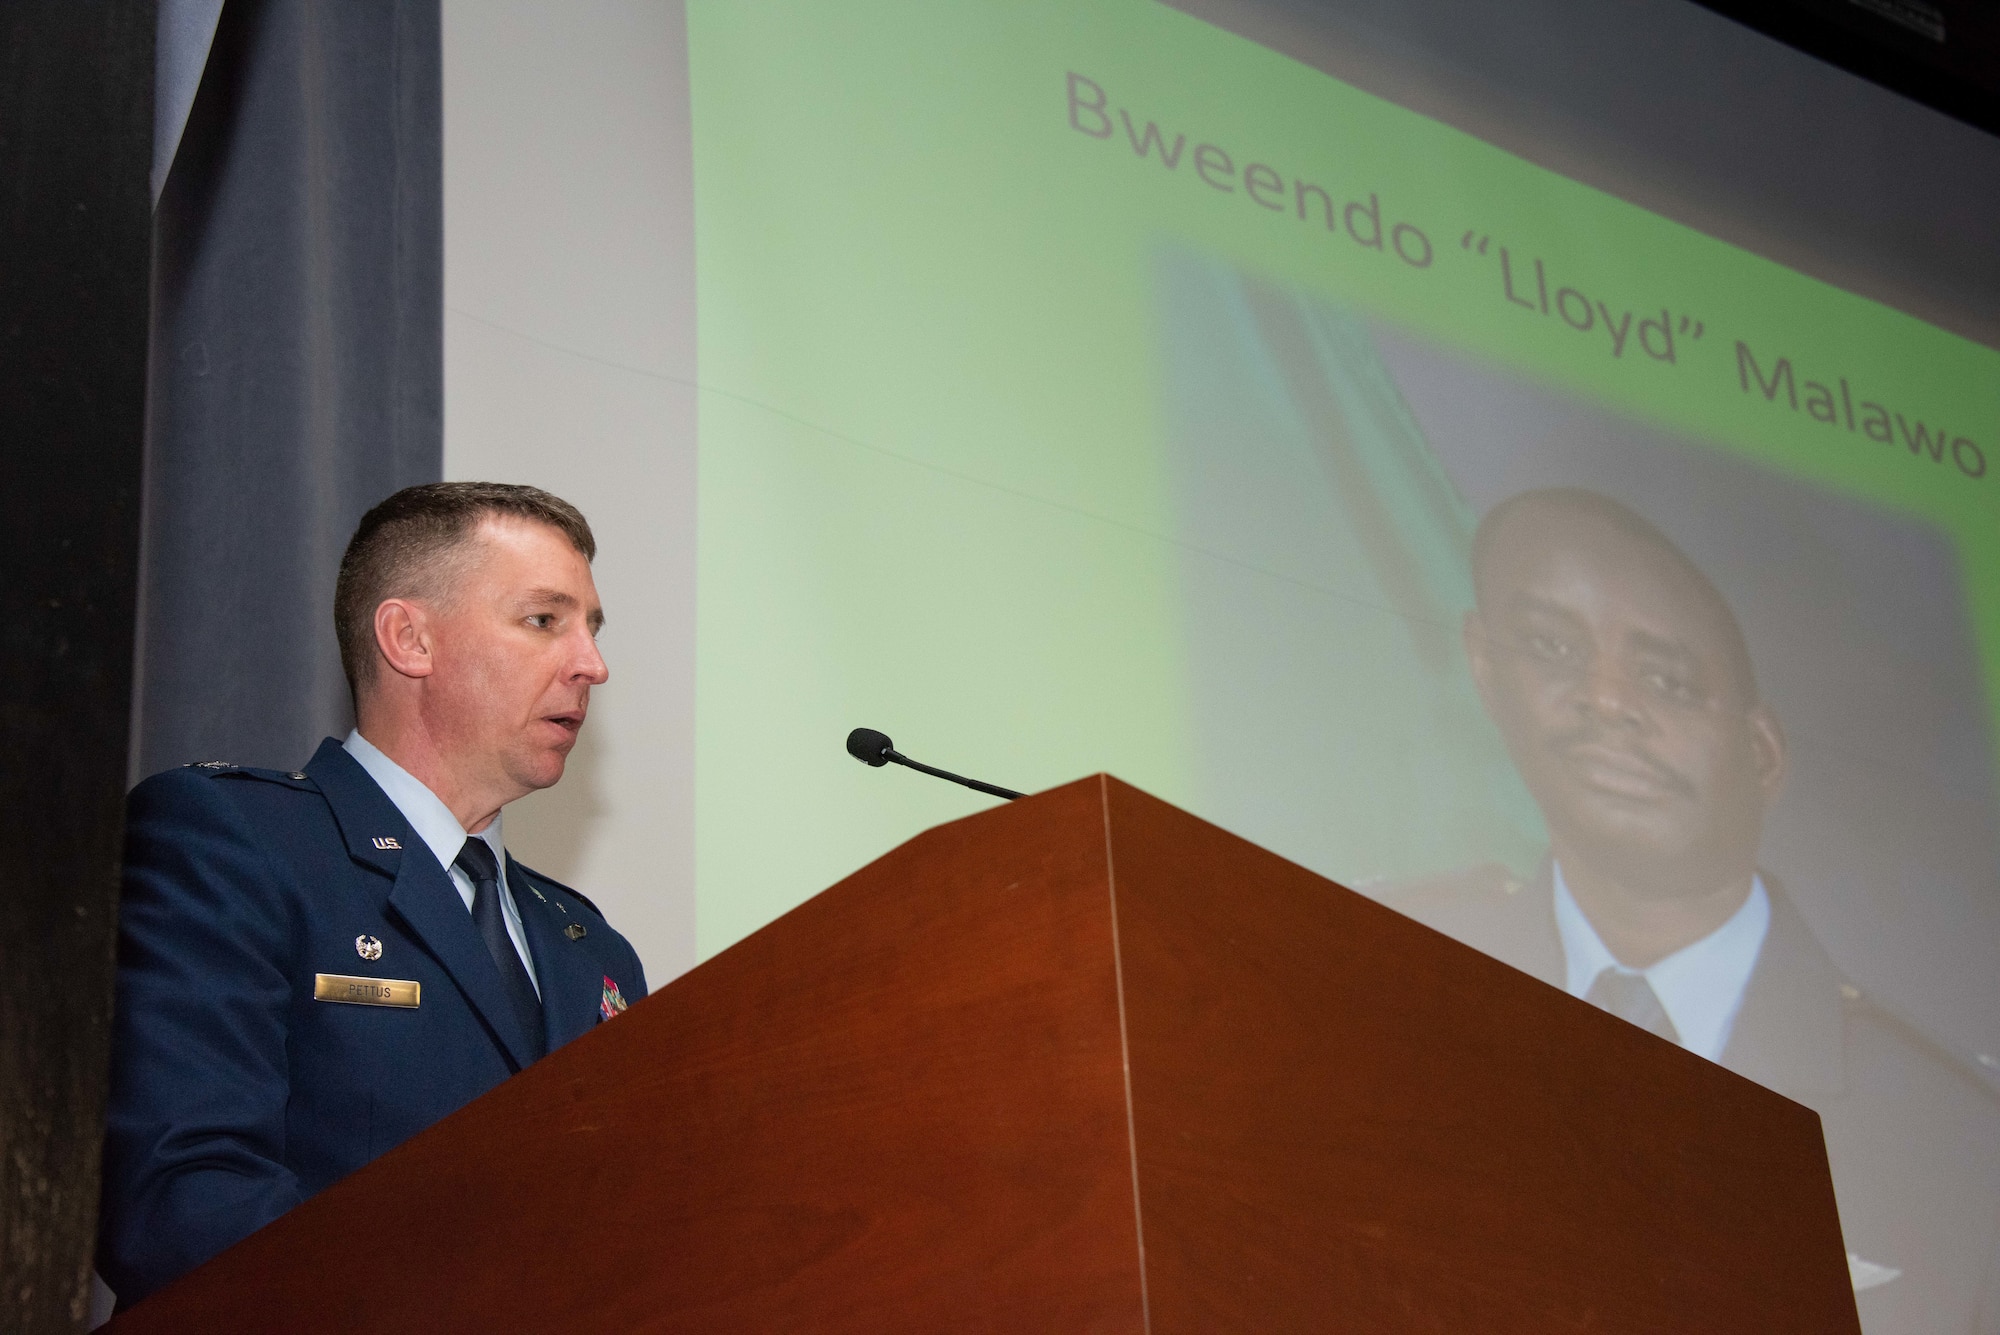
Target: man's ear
1767, 746
403, 637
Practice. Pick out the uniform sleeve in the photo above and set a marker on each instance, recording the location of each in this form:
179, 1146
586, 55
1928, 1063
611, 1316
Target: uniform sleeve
194, 1156
638, 971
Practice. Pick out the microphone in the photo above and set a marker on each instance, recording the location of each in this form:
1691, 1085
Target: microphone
874, 749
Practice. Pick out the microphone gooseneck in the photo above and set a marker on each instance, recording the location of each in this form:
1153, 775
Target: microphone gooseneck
874, 749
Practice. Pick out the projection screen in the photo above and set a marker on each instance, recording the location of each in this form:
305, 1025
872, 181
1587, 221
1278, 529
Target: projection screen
1534, 464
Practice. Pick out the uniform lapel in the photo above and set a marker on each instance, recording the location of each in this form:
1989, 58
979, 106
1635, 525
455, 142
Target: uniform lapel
422, 895
375, 832
1790, 1032
1517, 926
571, 985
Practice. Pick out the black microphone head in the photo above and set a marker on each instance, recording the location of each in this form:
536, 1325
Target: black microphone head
869, 746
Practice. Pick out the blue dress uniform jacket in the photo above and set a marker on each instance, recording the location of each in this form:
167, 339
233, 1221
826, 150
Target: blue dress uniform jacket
234, 1094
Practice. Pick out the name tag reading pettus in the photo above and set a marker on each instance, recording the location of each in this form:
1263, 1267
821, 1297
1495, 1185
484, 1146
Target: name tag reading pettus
366, 991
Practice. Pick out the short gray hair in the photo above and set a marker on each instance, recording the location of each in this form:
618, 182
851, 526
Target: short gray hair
404, 544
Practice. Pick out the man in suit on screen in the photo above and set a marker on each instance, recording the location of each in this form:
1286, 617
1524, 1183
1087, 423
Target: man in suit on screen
1623, 689
316, 964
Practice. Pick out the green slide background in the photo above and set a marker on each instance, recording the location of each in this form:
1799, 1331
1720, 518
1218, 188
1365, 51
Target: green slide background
933, 493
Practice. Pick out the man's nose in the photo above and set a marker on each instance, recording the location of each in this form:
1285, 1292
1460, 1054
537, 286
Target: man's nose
589, 666
1606, 693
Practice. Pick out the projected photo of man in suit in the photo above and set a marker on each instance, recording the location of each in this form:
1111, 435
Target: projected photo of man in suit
1624, 691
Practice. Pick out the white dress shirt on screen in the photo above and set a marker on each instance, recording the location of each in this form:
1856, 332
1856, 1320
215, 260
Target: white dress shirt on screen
1700, 985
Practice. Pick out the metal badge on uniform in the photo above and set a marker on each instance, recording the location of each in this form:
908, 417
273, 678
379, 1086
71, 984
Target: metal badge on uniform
614, 1000
384, 841
367, 947
1868, 1274
353, 991
575, 931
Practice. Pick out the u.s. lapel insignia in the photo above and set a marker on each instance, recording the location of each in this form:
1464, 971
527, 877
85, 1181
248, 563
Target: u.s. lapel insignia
574, 931
614, 1001
384, 841
367, 947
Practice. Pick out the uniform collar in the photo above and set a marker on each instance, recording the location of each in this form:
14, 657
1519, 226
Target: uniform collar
1701, 985
1790, 1030
423, 809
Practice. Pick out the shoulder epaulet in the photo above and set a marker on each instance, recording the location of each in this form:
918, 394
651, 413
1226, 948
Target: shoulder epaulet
222, 767
554, 884
1971, 1067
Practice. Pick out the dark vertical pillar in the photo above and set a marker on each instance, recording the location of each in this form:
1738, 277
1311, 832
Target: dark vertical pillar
76, 91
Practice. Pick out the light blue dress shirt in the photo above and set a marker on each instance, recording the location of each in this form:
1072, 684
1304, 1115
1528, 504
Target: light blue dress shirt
1701, 985
441, 832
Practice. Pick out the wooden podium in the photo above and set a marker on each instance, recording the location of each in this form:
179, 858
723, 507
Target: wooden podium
1078, 1063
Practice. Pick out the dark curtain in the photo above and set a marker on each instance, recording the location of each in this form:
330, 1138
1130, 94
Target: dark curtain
296, 367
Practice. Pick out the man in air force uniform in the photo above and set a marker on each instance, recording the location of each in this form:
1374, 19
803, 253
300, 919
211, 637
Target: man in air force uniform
315, 965
1622, 686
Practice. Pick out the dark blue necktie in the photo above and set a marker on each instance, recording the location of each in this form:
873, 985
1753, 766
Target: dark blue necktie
477, 862
1630, 997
